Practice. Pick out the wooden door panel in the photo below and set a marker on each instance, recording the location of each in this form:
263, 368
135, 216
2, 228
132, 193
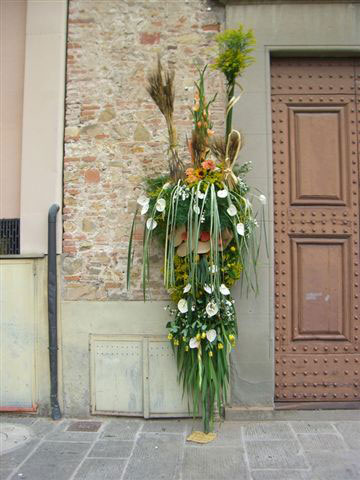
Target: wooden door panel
320, 290
316, 208
316, 131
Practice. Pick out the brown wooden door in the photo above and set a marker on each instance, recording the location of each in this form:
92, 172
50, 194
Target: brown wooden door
315, 118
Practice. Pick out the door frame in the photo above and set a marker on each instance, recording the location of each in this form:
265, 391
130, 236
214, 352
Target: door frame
320, 51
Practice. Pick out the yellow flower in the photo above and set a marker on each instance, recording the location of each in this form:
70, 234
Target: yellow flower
170, 336
220, 346
187, 348
211, 353
176, 342
233, 249
231, 338
184, 339
203, 335
198, 336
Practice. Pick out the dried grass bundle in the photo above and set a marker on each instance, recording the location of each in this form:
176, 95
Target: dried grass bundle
218, 148
161, 89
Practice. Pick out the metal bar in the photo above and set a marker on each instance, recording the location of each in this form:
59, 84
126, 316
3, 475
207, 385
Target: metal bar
52, 312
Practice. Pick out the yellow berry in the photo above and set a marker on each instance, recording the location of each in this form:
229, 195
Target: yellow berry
220, 346
203, 335
231, 338
198, 336
170, 336
186, 348
211, 353
176, 342
184, 339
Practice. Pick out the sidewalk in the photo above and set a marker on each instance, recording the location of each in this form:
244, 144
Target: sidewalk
133, 449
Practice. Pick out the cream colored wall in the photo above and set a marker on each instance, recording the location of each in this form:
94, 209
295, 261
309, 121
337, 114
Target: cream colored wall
12, 58
43, 121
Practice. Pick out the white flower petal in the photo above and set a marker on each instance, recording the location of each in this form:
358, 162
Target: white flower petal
224, 290
262, 199
240, 229
144, 208
222, 193
166, 186
208, 289
187, 288
194, 343
213, 269
211, 335
196, 209
151, 223
200, 195
160, 205
212, 309
232, 210
182, 305
143, 200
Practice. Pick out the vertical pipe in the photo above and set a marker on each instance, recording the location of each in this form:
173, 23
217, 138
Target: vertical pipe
52, 312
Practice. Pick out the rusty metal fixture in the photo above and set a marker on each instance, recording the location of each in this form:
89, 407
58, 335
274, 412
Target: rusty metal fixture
316, 185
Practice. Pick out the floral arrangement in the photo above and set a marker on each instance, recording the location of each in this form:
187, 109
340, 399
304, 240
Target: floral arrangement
205, 219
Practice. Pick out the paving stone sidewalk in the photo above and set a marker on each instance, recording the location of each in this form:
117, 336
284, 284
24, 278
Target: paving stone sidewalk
324, 447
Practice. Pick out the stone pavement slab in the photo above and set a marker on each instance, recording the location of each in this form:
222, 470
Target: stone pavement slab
213, 463
324, 447
155, 456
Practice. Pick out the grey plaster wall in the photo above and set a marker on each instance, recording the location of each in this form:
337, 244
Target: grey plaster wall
280, 29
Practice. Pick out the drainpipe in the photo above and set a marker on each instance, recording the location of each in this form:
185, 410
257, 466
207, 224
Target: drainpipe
52, 312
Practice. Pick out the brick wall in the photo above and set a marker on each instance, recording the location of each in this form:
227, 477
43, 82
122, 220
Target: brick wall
115, 136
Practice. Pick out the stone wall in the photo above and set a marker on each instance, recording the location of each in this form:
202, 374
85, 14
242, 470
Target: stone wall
114, 134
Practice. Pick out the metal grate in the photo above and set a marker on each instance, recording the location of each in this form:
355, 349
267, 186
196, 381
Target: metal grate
84, 426
9, 236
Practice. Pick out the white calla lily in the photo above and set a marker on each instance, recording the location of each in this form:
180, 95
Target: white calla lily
211, 335
151, 223
262, 199
187, 288
200, 195
194, 343
144, 208
166, 186
160, 205
208, 289
212, 309
143, 200
224, 290
240, 227
182, 305
196, 209
222, 193
232, 210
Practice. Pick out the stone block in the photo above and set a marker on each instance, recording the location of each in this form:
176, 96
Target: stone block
268, 431
351, 433
344, 465
164, 426
53, 461
155, 457
281, 475
213, 463
111, 448
313, 427
321, 441
121, 429
275, 454
104, 469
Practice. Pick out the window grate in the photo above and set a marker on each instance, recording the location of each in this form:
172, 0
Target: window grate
9, 236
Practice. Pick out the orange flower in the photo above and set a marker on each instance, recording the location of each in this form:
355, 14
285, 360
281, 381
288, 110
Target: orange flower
189, 171
209, 165
191, 179
199, 124
196, 107
210, 132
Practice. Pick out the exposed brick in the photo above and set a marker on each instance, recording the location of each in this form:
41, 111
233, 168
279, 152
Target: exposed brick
149, 38
211, 27
106, 103
92, 176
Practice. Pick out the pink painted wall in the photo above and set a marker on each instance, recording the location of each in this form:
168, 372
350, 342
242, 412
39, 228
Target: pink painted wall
12, 59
